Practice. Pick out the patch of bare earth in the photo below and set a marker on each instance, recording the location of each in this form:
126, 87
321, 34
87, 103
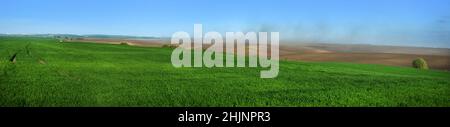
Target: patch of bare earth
437, 58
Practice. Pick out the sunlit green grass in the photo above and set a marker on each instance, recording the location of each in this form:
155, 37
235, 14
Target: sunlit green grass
49, 73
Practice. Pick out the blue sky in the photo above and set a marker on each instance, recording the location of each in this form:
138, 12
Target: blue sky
384, 22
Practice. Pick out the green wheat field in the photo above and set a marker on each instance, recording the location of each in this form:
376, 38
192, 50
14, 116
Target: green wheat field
49, 73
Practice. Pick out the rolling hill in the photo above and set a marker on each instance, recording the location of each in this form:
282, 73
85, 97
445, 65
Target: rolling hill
45, 72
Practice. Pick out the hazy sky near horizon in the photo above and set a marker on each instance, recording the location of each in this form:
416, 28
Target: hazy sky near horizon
384, 22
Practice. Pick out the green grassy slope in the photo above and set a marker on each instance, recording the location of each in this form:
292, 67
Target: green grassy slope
48, 73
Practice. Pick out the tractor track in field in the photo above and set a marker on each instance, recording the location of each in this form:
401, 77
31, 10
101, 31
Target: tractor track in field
13, 59
8, 67
29, 52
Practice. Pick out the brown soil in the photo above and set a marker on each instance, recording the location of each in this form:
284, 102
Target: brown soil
434, 62
437, 58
